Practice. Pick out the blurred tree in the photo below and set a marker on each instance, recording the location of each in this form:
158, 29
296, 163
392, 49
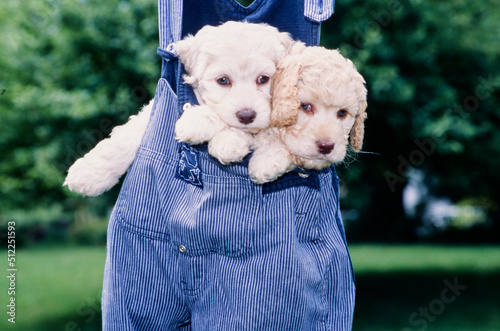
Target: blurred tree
69, 72
432, 71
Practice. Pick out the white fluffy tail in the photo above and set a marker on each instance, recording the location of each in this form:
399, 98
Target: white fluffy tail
101, 168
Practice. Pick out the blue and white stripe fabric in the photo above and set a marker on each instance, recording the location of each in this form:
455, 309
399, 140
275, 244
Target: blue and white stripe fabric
168, 12
319, 10
226, 254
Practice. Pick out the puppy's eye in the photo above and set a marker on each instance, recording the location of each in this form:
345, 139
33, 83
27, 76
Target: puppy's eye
307, 108
263, 80
342, 113
224, 81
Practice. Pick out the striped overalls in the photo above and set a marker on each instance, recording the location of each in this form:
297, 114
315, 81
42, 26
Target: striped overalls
194, 244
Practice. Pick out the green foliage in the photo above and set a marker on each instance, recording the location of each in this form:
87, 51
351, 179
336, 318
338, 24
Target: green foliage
69, 72
432, 74
87, 230
72, 70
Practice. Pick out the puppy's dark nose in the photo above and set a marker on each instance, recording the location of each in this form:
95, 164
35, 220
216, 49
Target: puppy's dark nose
246, 116
325, 146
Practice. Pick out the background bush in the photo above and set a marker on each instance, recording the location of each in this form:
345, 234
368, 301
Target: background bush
69, 72
72, 70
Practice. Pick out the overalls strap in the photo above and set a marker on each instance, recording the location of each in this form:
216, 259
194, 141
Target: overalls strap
169, 21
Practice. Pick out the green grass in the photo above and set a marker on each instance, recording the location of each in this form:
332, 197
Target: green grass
369, 259
56, 289
59, 288
395, 283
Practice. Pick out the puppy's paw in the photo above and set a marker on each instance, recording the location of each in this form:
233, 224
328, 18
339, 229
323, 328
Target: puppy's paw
230, 146
268, 166
197, 125
87, 180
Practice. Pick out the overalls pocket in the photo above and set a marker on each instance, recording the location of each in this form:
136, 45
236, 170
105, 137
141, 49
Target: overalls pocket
291, 203
306, 214
140, 206
215, 218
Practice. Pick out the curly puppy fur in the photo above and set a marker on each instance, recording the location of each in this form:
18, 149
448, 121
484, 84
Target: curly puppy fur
318, 107
229, 68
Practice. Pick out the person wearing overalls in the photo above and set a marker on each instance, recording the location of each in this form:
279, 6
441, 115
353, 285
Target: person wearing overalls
194, 244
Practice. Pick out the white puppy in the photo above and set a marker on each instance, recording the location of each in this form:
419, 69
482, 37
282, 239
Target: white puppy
319, 101
230, 69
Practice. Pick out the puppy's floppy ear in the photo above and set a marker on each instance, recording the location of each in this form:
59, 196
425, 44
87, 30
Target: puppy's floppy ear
286, 103
189, 50
286, 40
358, 129
186, 49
